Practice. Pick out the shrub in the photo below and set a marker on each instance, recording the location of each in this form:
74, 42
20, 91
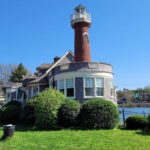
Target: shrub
136, 122
11, 114
28, 115
68, 112
14, 103
47, 104
1, 115
148, 117
98, 113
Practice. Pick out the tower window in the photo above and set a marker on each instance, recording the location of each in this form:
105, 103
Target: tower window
86, 37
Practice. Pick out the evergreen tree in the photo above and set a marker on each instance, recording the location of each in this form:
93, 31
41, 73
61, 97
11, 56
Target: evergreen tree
18, 73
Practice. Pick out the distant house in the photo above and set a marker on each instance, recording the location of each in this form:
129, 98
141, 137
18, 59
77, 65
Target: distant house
2, 93
12, 92
74, 74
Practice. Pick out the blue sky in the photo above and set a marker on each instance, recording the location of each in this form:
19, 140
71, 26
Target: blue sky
34, 31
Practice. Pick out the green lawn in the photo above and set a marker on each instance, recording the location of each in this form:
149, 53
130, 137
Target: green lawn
77, 140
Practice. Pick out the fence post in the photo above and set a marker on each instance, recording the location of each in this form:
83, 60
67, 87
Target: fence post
124, 119
144, 114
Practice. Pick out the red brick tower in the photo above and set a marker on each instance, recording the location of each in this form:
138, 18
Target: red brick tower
81, 21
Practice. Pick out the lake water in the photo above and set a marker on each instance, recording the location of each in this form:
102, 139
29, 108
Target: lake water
143, 111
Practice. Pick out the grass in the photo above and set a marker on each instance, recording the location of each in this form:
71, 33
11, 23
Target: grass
115, 139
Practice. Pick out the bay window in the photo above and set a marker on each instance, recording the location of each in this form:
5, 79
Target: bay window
89, 86
93, 87
99, 87
69, 88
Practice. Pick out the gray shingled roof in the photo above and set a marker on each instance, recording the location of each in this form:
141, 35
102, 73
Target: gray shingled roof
38, 79
44, 66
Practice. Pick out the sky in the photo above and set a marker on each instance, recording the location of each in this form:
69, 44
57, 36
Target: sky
35, 31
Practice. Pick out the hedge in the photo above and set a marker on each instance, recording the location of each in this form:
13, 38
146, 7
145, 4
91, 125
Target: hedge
68, 112
11, 114
98, 113
136, 122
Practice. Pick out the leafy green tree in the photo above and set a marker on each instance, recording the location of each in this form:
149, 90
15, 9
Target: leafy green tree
18, 73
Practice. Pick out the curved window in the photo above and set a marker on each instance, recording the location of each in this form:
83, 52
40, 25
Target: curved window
99, 86
93, 87
89, 87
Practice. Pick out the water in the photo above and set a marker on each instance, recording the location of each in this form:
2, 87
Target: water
143, 111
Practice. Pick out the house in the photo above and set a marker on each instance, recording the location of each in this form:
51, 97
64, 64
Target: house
10, 91
13, 92
75, 74
2, 94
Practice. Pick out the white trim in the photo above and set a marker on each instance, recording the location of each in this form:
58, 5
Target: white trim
65, 87
85, 33
94, 90
82, 74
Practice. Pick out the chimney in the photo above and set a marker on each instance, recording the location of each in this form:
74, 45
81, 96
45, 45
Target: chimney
56, 59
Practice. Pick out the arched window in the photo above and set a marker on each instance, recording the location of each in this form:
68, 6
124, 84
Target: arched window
86, 37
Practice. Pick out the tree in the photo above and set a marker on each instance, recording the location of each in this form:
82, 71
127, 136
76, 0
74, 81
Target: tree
5, 72
146, 89
18, 73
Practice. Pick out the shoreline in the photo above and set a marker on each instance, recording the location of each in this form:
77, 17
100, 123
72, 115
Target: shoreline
133, 105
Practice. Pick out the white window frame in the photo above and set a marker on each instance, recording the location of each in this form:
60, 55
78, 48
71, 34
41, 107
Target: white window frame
94, 86
98, 86
73, 87
65, 87
32, 93
87, 87
58, 85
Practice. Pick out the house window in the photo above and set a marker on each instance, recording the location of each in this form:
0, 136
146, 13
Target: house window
66, 86
35, 90
60, 86
89, 86
93, 87
69, 88
99, 87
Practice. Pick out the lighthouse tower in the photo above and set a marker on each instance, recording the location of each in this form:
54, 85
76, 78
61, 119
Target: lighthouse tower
81, 21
